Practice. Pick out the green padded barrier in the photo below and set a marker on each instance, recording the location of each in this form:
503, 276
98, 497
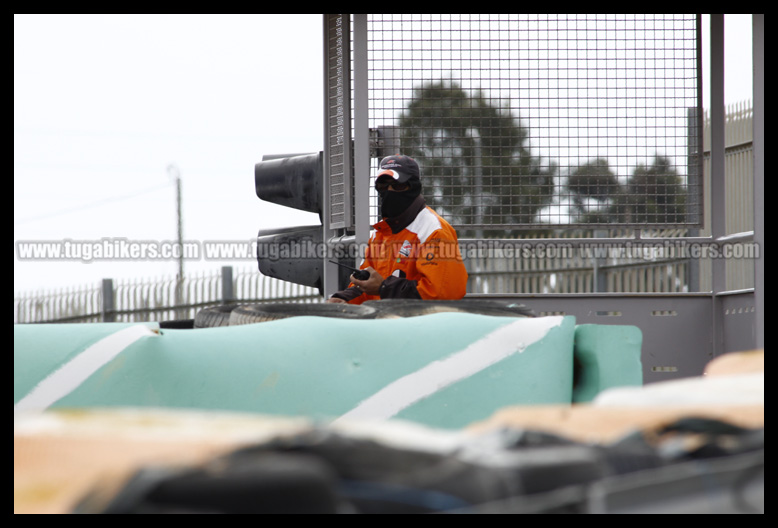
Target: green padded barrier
445, 370
606, 356
40, 349
541, 374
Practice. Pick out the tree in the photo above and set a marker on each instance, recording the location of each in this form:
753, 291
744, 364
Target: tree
476, 167
592, 187
654, 194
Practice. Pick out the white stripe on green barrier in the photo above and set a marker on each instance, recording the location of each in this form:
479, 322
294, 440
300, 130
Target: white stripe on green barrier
494, 347
69, 376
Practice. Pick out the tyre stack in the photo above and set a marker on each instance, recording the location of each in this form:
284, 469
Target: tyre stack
240, 314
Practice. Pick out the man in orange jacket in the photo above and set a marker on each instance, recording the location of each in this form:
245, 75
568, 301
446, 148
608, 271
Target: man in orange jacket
413, 252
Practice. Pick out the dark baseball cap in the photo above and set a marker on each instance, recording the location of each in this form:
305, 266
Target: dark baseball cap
400, 168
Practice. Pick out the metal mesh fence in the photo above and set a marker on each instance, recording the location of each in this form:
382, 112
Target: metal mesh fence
535, 121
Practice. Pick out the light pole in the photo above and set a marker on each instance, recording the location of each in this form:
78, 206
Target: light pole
175, 177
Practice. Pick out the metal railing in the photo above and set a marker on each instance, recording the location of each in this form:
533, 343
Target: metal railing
547, 264
156, 299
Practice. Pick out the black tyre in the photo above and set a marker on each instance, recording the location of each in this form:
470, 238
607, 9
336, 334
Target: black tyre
177, 323
214, 316
257, 313
390, 308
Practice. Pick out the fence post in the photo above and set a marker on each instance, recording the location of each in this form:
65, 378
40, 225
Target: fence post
598, 261
228, 295
109, 304
695, 175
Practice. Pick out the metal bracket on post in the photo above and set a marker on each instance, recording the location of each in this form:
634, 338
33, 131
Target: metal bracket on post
384, 141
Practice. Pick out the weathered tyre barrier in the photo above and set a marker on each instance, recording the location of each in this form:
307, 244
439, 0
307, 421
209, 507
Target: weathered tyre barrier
389, 308
214, 316
232, 314
258, 313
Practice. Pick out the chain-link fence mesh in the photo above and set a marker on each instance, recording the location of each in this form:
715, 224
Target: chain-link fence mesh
533, 121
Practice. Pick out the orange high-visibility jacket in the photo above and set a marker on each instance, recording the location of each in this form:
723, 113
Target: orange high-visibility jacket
422, 261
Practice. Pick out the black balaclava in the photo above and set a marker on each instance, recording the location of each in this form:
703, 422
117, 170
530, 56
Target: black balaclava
393, 203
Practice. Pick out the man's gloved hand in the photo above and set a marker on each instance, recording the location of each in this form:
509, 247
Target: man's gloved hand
371, 285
